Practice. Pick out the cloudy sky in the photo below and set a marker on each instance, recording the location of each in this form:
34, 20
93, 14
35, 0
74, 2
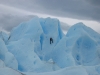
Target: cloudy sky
13, 12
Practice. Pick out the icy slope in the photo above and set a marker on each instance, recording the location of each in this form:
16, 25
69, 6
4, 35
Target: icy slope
9, 71
30, 43
28, 60
7, 57
61, 55
66, 71
4, 36
39, 31
85, 44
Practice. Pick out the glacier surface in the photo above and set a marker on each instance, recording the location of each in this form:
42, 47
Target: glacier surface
39, 47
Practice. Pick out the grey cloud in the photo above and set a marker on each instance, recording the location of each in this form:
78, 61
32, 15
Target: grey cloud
30, 5
78, 9
8, 21
95, 2
64, 26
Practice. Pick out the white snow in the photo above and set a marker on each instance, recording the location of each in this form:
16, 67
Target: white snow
9, 71
66, 71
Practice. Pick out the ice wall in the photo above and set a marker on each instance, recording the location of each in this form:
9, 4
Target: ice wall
28, 60
4, 36
39, 30
84, 45
30, 43
7, 57
39, 45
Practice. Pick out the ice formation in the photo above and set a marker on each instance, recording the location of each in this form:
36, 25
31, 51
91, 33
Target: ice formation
28, 60
85, 44
4, 36
40, 47
7, 57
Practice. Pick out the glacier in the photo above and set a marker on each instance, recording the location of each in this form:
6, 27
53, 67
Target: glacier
4, 36
39, 47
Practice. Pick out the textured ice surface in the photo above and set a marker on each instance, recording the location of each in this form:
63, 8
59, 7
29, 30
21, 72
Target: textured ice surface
7, 57
85, 51
3, 49
9, 71
4, 36
2, 64
51, 29
11, 61
66, 71
31, 29
62, 55
84, 42
39, 45
39, 31
28, 60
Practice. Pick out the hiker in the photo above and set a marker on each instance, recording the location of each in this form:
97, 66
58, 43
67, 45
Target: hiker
51, 40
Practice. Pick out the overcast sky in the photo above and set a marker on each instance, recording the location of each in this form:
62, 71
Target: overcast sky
12, 12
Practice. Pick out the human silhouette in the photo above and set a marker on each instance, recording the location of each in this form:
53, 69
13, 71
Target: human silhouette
51, 40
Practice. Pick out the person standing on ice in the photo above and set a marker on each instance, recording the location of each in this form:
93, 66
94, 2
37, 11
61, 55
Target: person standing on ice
51, 40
